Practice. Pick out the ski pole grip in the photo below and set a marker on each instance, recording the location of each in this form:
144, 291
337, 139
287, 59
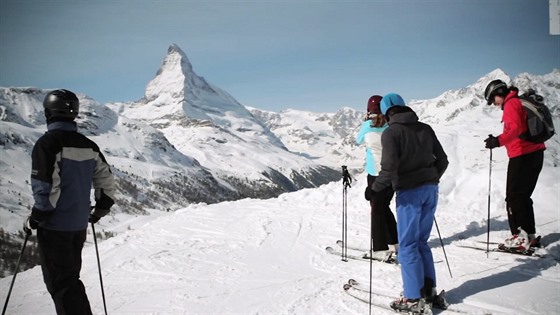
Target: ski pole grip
346, 178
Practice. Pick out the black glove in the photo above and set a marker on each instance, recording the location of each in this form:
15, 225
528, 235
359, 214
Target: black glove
369, 194
97, 214
492, 142
93, 218
30, 224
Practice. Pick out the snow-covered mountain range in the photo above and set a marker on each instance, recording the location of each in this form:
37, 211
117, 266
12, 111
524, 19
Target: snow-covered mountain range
187, 141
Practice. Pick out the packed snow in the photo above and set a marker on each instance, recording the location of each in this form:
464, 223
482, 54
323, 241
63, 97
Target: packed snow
268, 256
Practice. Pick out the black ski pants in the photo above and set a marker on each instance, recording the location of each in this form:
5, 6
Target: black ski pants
522, 175
61, 262
383, 224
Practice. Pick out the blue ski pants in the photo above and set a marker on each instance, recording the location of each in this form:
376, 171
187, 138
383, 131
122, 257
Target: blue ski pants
415, 216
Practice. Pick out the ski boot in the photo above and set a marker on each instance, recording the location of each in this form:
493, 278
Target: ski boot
411, 306
437, 300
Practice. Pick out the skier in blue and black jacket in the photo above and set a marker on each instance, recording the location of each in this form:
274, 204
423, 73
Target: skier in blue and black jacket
413, 162
65, 166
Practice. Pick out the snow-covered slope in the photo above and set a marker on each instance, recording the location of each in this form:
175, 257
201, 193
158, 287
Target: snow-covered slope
267, 256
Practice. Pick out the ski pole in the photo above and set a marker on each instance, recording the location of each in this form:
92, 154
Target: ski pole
99, 267
346, 181
443, 247
15, 272
370, 253
343, 221
489, 189
344, 224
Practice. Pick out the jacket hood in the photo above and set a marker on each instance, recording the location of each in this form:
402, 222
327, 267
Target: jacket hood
404, 118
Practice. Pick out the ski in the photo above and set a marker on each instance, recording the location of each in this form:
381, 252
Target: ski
390, 260
393, 259
528, 252
538, 240
358, 286
332, 251
502, 249
361, 296
442, 303
491, 243
341, 244
360, 292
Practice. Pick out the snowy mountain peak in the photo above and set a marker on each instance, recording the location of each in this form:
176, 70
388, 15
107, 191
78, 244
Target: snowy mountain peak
177, 95
496, 74
175, 51
480, 84
175, 77
206, 123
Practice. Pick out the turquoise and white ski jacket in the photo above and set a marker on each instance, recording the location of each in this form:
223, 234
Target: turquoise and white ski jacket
371, 137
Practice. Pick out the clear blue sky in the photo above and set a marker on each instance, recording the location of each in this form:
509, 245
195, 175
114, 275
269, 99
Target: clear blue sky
309, 55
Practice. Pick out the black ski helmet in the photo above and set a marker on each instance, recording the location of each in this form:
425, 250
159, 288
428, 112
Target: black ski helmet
496, 87
61, 104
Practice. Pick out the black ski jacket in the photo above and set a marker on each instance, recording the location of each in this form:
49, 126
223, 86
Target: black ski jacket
412, 154
65, 165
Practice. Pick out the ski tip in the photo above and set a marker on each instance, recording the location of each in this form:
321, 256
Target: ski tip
339, 242
329, 249
352, 282
346, 287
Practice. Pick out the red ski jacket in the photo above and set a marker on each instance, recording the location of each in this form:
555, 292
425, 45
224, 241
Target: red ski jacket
515, 124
